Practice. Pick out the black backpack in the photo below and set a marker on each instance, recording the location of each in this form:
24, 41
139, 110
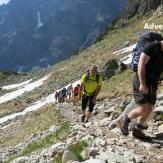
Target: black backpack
146, 38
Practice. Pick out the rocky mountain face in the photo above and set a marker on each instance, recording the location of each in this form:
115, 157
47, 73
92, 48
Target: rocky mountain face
38, 33
140, 7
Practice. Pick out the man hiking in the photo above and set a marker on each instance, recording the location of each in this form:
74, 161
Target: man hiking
69, 92
91, 83
76, 92
145, 87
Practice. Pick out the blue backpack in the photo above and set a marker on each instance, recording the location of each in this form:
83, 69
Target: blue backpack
146, 38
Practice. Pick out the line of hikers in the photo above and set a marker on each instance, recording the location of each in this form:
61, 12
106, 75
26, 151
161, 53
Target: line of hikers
147, 63
68, 95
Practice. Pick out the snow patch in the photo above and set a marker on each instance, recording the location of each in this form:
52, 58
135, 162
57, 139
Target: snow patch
125, 50
39, 23
19, 92
127, 59
12, 86
37, 105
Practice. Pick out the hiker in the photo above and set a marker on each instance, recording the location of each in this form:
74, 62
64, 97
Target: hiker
60, 99
145, 85
69, 92
91, 83
64, 94
76, 94
56, 96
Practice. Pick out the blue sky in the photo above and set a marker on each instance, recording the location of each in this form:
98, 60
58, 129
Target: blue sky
3, 1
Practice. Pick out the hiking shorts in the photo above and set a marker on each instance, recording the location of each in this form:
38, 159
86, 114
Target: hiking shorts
87, 100
144, 98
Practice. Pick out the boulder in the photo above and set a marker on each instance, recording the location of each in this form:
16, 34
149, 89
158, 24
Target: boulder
68, 156
21, 160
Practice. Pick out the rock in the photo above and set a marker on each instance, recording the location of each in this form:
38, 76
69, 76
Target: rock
159, 134
94, 161
88, 124
88, 152
159, 110
88, 139
124, 104
47, 152
54, 148
105, 122
78, 127
70, 141
112, 126
108, 112
99, 132
68, 156
21, 160
99, 141
160, 103
95, 112
53, 128
160, 97
102, 107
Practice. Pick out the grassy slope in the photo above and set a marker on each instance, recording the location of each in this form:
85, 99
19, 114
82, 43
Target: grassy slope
98, 54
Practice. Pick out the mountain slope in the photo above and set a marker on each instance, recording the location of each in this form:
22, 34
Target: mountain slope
40, 33
37, 134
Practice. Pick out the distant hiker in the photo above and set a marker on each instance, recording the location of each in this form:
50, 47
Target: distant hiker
69, 92
56, 96
145, 85
60, 98
91, 83
76, 92
64, 94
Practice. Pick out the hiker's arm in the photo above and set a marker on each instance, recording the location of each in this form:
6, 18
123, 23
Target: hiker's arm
141, 72
81, 90
97, 91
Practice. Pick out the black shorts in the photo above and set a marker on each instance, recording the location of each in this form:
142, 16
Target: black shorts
87, 100
145, 98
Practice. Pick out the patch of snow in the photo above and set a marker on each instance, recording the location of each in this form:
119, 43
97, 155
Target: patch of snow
16, 85
43, 59
125, 50
4, 2
127, 59
37, 105
19, 92
39, 24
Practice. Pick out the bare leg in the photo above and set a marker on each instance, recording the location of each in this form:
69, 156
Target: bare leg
88, 115
142, 111
148, 111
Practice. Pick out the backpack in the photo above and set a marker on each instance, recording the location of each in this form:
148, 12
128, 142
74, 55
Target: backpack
88, 74
76, 90
146, 38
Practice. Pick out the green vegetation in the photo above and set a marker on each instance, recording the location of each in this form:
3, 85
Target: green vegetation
60, 134
118, 85
76, 149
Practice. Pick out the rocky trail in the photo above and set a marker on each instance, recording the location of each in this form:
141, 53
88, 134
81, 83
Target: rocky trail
105, 143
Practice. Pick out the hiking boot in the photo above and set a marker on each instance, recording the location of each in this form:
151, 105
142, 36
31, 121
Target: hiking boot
145, 127
139, 134
124, 122
86, 120
83, 118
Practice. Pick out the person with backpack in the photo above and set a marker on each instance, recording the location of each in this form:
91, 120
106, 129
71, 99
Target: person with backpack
148, 71
91, 83
76, 94
56, 96
64, 94
69, 92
